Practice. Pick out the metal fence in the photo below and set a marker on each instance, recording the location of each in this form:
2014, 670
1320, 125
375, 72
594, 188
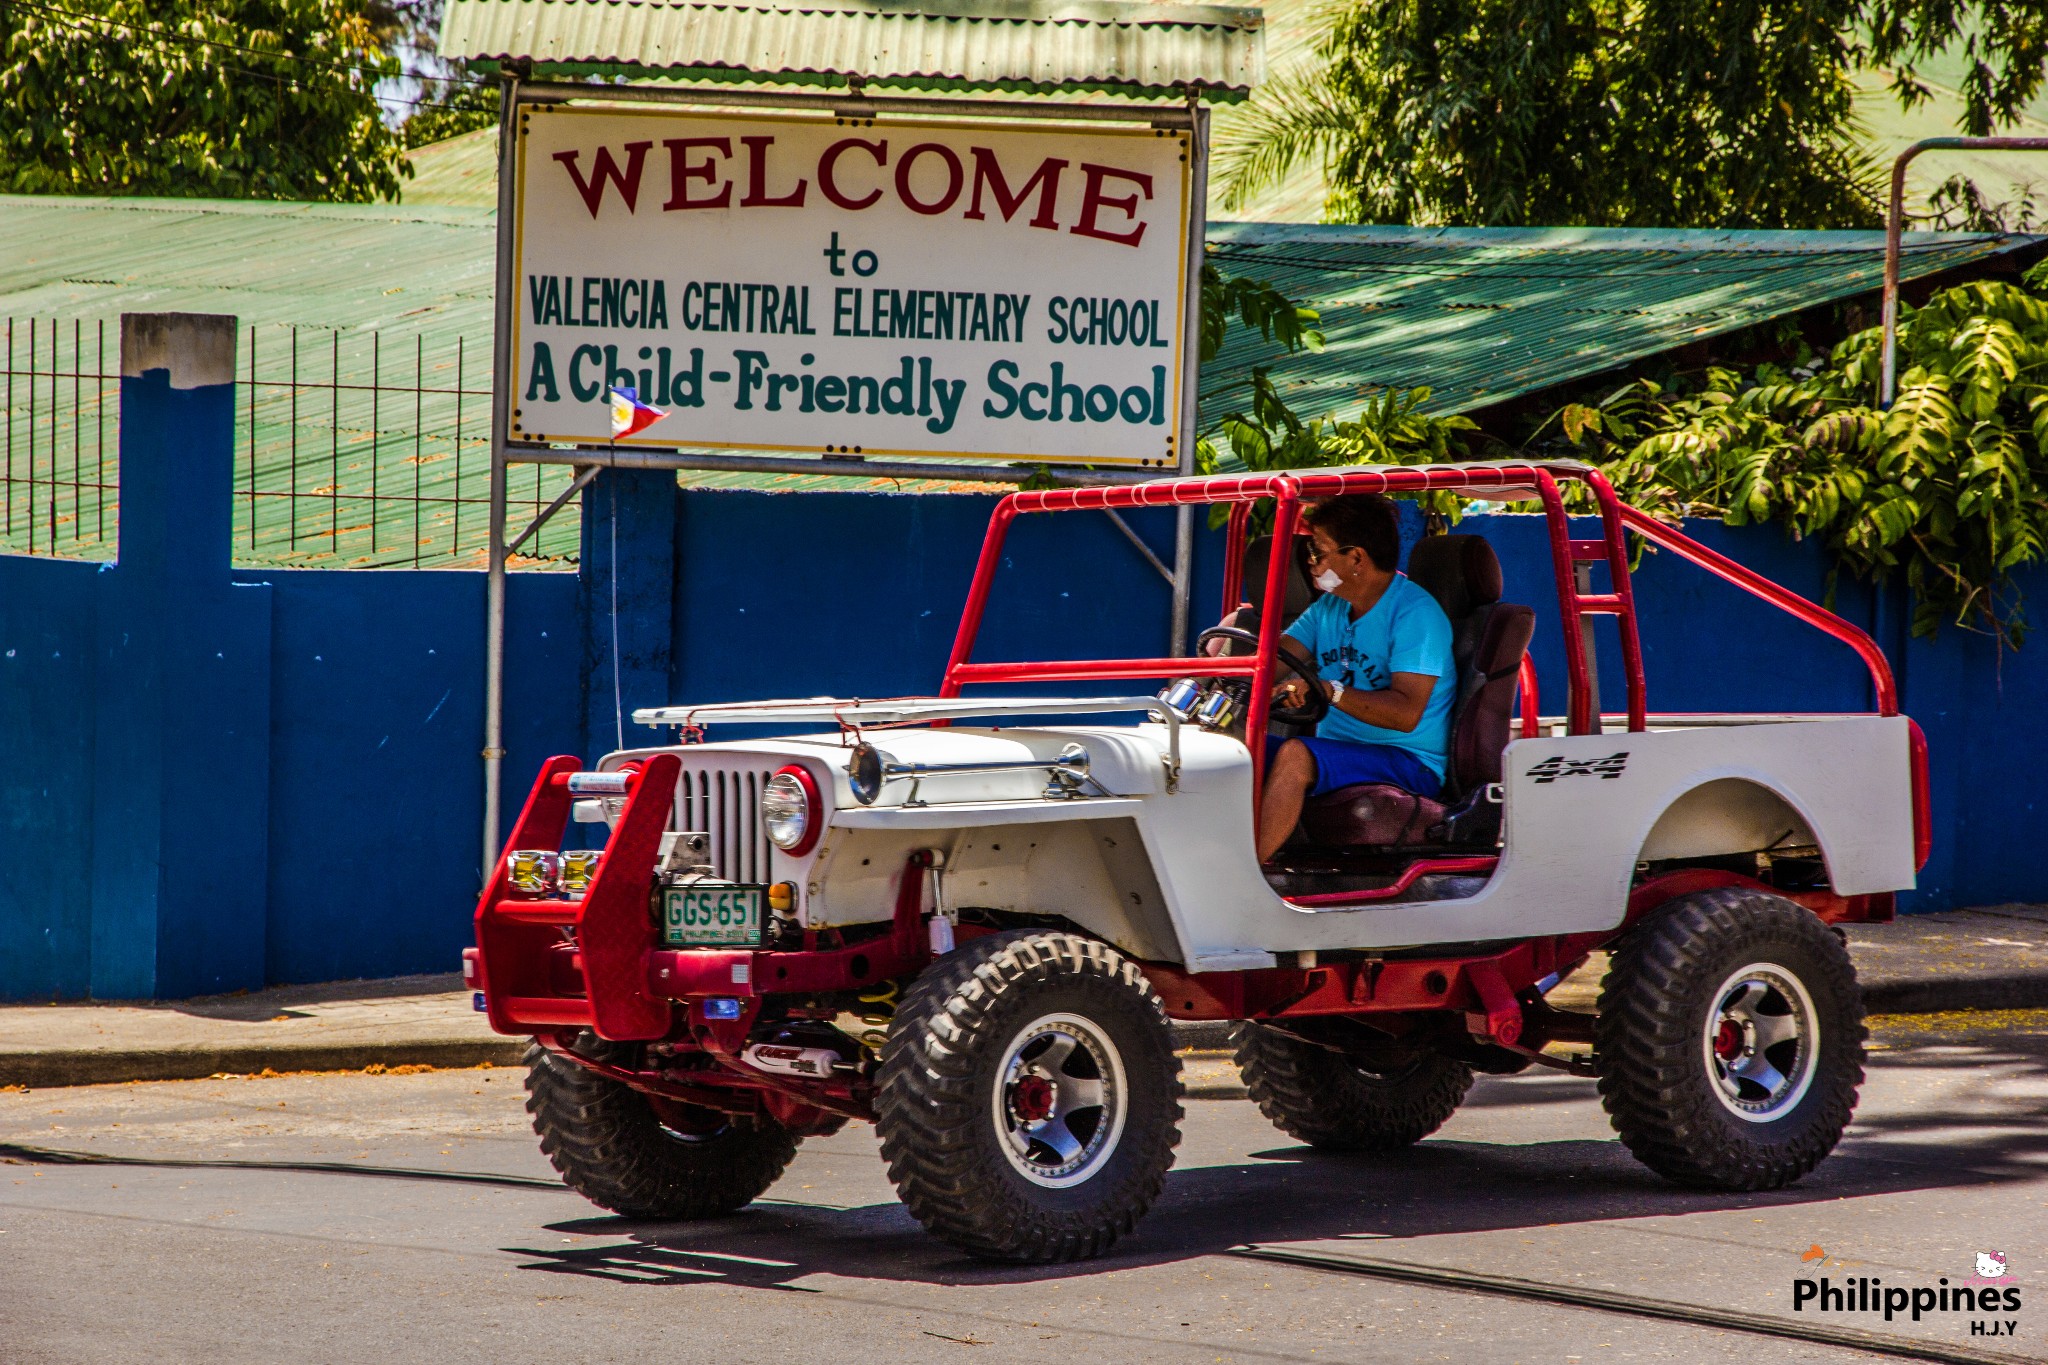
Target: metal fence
59, 485
352, 450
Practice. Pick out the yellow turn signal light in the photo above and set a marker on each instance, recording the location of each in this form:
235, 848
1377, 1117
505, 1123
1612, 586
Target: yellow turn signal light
782, 897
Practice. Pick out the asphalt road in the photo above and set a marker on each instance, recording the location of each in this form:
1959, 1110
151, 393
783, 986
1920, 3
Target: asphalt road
220, 1236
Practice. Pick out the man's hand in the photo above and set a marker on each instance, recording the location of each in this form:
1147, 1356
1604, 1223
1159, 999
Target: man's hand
1295, 692
1397, 706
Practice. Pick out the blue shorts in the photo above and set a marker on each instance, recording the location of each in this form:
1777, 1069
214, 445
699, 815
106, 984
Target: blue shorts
1340, 763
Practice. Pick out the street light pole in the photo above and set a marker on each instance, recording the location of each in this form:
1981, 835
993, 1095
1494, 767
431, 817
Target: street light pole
1894, 227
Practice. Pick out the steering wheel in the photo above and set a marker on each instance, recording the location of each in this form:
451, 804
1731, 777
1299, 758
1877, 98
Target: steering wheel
1308, 713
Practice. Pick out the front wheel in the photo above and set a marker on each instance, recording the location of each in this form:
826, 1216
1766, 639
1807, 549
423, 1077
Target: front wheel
1730, 1040
1030, 1097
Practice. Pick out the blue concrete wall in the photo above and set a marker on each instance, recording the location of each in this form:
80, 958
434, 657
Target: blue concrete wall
181, 731
214, 780
376, 789
314, 735
47, 624
782, 595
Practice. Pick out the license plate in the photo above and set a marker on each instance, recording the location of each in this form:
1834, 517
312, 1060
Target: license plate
720, 915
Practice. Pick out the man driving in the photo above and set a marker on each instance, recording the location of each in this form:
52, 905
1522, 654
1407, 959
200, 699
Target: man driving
1379, 649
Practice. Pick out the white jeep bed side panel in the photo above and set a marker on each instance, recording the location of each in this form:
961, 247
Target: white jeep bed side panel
1572, 837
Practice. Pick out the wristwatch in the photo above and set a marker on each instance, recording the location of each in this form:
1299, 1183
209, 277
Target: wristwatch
1336, 691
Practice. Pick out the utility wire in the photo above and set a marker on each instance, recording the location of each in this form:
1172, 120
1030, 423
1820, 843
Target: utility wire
79, 19
282, 82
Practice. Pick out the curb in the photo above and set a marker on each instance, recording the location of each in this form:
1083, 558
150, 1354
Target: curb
47, 1070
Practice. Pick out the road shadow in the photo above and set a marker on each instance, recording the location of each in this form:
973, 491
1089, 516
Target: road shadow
1290, 1194
15, 1153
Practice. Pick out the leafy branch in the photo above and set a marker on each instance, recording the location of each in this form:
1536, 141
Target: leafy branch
1948, 487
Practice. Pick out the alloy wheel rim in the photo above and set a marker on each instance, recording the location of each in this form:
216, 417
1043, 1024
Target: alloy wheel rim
1060, 1100
1761, 1042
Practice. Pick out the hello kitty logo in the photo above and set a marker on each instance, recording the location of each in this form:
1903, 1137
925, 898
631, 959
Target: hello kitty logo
1991, 1265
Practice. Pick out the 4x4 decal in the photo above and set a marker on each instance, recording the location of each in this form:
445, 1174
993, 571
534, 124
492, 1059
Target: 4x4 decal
1554, 767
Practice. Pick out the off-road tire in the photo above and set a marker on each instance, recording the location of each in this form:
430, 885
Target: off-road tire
942, 1095
613, 1148
1655, 1077
1348, 1103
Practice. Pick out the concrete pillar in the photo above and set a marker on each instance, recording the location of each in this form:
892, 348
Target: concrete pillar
182, 718
627, 586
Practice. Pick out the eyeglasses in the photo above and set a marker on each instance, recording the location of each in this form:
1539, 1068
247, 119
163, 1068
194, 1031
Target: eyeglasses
1316, 556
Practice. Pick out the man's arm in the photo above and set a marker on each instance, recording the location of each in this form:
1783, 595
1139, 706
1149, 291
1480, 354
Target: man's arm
1397, 706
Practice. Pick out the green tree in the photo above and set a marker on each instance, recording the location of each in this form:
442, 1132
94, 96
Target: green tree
444, 98
1496, 113
261, 99
1645, 113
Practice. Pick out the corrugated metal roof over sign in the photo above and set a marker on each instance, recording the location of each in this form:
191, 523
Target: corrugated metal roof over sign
1481, 315
961, 44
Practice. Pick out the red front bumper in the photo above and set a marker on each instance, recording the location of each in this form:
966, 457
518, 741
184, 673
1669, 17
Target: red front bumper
596, 963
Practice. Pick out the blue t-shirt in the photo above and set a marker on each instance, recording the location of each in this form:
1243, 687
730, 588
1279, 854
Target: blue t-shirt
1405, 632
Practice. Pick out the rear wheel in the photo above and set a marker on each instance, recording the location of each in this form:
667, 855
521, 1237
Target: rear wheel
644, 1157
1377, 1099
1730, 1040
1030, 1097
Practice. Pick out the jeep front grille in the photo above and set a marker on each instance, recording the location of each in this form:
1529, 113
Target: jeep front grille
726, 804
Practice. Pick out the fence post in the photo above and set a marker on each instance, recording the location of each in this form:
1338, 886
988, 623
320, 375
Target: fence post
630, 610
181, 757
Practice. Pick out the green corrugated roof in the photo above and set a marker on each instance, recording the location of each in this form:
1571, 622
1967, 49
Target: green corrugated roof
1481, 315
324, 475
956, 44
1478, 315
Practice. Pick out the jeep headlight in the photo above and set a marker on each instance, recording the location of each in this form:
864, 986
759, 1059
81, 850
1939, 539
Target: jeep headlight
789, 809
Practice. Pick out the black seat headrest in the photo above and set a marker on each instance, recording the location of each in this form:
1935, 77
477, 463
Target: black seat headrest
1300, 593
1461, 572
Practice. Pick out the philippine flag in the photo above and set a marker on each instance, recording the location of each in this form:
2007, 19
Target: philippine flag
630, 415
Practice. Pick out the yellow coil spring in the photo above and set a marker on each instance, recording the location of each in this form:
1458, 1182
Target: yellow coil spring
883, 1002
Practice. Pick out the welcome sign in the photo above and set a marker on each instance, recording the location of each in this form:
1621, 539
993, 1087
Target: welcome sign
852, 286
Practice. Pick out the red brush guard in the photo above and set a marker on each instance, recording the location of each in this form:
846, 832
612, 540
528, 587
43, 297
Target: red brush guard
548, 965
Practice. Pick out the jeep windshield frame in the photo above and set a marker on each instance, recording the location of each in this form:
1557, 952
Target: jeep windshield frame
1503, 481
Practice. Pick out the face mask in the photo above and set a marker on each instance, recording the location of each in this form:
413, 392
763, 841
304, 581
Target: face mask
1328, 581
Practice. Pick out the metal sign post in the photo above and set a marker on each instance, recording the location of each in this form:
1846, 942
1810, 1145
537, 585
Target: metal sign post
1191, 369
494, 579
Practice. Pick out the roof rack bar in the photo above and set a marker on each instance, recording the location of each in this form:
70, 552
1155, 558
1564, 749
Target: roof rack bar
1815, 615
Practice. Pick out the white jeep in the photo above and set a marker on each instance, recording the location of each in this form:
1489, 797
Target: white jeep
969, 919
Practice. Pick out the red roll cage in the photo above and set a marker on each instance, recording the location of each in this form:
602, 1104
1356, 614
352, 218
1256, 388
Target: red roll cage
1289, 490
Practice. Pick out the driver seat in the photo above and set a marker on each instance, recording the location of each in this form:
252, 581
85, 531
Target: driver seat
1488, 639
